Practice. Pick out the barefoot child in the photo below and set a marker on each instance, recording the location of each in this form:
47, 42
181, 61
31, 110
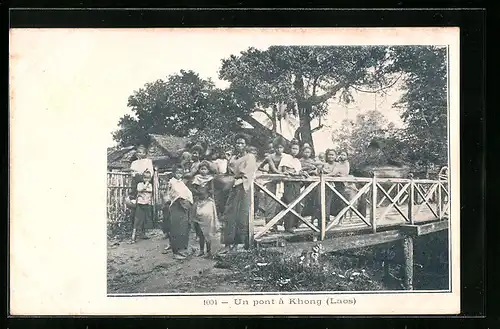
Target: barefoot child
143, 218
205, 215
178, 204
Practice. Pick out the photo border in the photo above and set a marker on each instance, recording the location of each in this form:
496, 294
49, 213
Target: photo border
479, 127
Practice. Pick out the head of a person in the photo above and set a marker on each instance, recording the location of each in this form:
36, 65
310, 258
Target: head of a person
141, 152
226, 154
279, 146
241, 142
186, 156
330, 156
342, 155
252, 149
214, 155
294, 147
196, 152
147, 175
204, 168
322, 156
178, 172
306, 151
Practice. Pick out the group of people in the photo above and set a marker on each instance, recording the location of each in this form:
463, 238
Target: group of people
211, 193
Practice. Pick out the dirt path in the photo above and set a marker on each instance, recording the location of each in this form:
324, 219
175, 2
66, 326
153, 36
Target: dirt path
142, 268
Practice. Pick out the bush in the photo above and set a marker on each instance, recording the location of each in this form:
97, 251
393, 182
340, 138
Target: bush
275, 271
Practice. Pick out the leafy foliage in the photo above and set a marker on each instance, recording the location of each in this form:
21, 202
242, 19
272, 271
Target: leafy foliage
304, 78
358, 137
424, 103
184, 105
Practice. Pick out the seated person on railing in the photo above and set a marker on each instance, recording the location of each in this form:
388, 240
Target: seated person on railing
272, 161
290, 165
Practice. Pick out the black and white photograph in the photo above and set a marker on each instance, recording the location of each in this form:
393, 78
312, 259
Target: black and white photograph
287, 168
254, 162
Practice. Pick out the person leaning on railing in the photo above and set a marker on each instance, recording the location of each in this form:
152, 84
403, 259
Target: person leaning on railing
328, 169
290, 165
309, 168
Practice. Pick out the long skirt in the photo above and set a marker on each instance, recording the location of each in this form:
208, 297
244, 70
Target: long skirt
205, 215
143, 218
235, 219
268, 205
291, 192
178, 225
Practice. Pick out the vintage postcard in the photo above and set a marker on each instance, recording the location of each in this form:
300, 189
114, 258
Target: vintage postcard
234, 171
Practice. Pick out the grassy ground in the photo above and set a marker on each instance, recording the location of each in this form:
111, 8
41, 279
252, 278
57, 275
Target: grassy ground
142, 268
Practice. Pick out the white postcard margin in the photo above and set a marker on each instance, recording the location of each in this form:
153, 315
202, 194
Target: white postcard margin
58, 178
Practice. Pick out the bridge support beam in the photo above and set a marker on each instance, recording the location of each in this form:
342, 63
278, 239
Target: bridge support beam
408, 262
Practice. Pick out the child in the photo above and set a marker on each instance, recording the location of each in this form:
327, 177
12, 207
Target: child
144, 210
177, 211
205, 214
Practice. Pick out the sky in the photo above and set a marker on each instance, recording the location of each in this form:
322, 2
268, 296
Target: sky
87, 75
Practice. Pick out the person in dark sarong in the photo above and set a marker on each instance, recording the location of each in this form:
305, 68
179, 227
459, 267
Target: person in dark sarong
268, 205
243, 167
177, 212
309, 168
290, 165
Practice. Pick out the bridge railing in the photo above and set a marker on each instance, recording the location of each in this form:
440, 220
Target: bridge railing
372, 201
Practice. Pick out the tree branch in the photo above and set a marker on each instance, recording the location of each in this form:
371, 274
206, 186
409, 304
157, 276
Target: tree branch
317, 128
315, 100
265, 112
392, 83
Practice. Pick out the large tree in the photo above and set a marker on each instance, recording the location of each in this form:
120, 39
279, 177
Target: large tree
182, 105
302, 79
424, 103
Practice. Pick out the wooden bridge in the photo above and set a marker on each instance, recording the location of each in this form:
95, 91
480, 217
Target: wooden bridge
383, 210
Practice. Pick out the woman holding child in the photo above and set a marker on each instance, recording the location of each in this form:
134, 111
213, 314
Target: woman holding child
176, 213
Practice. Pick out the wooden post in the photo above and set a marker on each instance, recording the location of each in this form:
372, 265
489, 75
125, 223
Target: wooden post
439, 201
251, 215
408, 262
411, 200
322, 187
373, 212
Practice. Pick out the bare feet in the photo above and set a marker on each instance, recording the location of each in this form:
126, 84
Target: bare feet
179, 257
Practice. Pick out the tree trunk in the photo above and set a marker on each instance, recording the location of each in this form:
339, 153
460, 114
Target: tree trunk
305, 128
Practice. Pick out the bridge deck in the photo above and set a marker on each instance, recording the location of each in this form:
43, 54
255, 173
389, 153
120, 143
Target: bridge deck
352, 224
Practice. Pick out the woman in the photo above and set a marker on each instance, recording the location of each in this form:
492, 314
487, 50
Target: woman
290, 165
177, 211
347, 190
309, 169
327, 169
242, 166
268, 205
